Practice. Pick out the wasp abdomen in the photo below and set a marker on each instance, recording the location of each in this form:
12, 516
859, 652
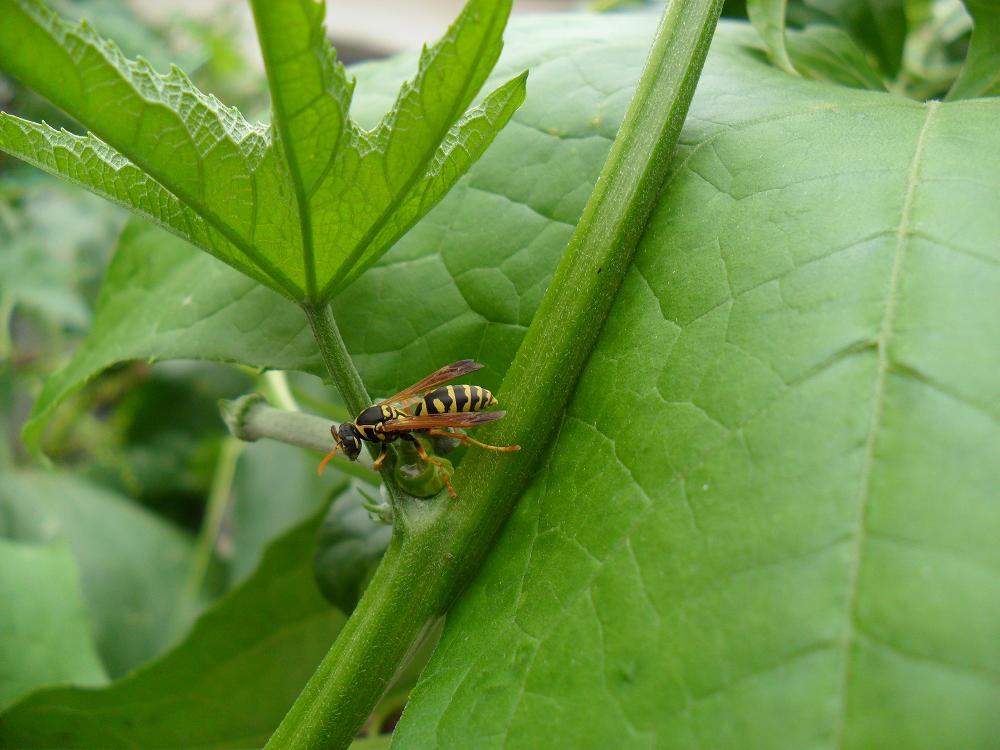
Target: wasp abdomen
451, 399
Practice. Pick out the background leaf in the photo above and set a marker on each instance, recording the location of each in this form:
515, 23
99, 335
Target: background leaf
132, 565
769, 517
45, 636
980, 75
226, 685
876, 27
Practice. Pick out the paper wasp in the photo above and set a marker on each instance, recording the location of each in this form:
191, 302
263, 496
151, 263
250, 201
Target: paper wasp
428, 407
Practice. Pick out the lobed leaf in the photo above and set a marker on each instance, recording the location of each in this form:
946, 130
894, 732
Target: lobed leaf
204, 153
92, 164
299, 207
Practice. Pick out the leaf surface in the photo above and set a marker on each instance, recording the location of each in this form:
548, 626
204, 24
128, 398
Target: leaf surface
45, 635
226, 685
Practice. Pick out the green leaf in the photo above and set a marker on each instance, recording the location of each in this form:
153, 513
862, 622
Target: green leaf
226, 685
825, 53
300, 209
768, 17
876, 26
726, 523
203, 153
44, 629
980, 75
348, 550
776, 482
132, 565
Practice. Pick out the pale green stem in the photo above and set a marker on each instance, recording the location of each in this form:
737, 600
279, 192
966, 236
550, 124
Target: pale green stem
211, 525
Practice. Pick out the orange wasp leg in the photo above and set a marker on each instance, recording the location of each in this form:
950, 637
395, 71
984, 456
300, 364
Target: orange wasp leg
326, 460
377, 465
461, 437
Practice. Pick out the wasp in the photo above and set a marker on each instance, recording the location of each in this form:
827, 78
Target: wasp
429, 407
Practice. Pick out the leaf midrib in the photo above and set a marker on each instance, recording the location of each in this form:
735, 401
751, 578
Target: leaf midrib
886, 331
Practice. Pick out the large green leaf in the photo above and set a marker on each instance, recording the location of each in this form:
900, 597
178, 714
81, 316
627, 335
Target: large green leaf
226, 685
45, 636
299, 207
133, 567
770, 516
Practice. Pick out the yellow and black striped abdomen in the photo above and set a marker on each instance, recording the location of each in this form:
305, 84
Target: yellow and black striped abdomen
451, 399
370, 423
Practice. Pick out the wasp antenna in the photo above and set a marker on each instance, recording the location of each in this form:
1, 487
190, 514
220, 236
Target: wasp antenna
326, 460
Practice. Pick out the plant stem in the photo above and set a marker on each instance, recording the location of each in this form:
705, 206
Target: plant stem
438, 545
336, 358
251, 418
345, 376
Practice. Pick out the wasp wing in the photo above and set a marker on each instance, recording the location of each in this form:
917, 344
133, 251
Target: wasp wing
446, 373
431, 421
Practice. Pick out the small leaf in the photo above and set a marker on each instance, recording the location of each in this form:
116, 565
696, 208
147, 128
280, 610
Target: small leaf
768, 17
226, 685
876, 26
981, 74
826, 53
348, 550
44, 629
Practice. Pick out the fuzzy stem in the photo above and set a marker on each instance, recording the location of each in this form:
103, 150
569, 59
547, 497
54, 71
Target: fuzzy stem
438, 545
345, 376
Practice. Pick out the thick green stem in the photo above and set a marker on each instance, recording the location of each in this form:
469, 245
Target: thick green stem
438, 545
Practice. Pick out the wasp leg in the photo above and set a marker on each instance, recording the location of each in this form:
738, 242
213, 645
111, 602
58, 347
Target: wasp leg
467, 440
377, 463
434, 461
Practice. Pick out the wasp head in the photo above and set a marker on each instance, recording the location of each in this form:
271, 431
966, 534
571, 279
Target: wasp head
349, 440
